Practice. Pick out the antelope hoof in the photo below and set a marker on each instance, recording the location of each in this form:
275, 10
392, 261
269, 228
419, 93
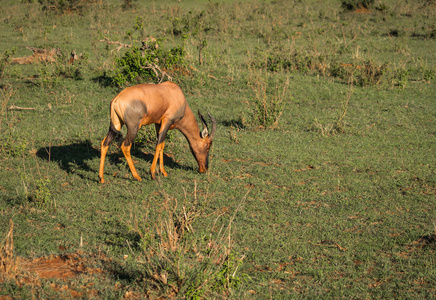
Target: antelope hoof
165, 174
138, 178
101, 180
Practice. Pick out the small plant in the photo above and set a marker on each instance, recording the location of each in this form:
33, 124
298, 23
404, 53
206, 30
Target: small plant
42, 194
198, 31
338, 126
12, 147
268, 102
425, 72
428, 74
138, 31
4, 60
227, 279
47, 76
370, 73
179, 263
402, 76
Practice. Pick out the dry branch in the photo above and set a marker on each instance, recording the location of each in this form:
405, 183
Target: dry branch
14, 107
155, 69
121, 45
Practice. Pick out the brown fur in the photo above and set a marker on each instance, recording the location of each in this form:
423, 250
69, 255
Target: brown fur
161, 104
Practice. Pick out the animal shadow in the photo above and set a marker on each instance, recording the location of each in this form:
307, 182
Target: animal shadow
70, 157
76, 156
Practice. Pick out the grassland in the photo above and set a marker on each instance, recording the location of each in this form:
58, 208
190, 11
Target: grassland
332, 197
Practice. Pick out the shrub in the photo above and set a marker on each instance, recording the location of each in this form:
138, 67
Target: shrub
301, 60
370, 73
363, 73
42, 194
402, 76
267, 105
150, 62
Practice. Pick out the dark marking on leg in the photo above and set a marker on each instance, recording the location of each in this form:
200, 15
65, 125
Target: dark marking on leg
132, 131
163, 132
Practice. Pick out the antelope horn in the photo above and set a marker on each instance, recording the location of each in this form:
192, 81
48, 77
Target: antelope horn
205, 131
212, 133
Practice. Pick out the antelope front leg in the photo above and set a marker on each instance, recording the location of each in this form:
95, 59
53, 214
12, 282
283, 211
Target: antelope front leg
158, 154
161, 161
161, 130
159, 150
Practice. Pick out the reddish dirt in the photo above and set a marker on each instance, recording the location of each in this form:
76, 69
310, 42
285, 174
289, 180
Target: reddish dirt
62, 267
362, 10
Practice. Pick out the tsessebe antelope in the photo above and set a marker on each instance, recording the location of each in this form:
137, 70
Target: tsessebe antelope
165, 106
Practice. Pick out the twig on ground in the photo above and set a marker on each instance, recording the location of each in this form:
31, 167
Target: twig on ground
14, 107
330, 244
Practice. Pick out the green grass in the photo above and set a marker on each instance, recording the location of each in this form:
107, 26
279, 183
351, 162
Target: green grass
314, 208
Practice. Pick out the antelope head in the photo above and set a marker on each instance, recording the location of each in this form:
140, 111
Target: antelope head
202, 151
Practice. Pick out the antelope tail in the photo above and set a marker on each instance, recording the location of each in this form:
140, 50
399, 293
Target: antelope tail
113, 133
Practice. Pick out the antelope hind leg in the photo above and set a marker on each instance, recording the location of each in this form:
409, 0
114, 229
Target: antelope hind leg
126, 152
104, 149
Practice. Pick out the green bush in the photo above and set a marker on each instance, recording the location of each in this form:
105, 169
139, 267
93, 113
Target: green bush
42, 194
150, 62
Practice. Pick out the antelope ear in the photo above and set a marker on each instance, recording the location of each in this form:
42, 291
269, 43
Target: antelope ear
204, 133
